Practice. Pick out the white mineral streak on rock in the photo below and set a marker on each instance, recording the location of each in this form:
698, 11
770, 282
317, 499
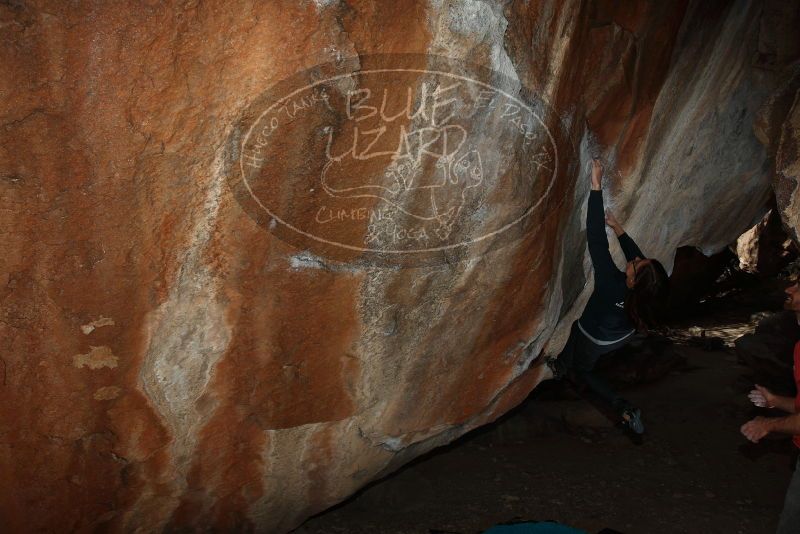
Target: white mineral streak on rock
96, 358
382, 358
97, 323
557, 42
307, 260
549, 331
474, 23
322, 4
107, 393
388, 365
391, 365
187, 336
289, 458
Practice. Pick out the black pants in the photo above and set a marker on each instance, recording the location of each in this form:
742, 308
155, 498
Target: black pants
577, 361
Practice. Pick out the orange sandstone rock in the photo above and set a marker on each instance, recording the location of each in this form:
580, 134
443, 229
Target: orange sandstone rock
176, 357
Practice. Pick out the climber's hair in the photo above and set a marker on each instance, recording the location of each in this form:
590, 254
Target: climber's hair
646, 302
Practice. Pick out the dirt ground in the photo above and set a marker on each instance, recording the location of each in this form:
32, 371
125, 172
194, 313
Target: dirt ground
562, 460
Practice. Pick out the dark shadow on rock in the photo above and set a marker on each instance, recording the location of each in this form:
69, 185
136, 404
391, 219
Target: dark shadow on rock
768, 352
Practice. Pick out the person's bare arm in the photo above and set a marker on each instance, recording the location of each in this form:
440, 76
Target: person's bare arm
629, 247
597, 174
759, 427
764, 398
614, 224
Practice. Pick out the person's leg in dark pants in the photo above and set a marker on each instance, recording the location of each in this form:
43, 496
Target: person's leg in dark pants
577, 360
583, 362
598, 385
585, 356
789, 522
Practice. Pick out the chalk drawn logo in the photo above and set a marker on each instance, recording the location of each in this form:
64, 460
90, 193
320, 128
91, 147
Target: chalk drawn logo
399, 159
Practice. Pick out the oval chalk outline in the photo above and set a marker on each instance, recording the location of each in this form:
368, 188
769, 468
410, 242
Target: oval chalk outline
392, 251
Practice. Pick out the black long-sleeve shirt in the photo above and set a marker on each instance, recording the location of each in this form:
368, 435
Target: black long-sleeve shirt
604, 320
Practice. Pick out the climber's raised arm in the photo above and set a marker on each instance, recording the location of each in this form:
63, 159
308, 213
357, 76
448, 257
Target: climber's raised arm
596, 237
629, 248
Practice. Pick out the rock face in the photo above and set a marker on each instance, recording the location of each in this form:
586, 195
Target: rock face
777, 123
765, 248
179, 353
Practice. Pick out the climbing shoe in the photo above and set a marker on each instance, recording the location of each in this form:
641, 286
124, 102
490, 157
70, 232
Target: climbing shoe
632, 418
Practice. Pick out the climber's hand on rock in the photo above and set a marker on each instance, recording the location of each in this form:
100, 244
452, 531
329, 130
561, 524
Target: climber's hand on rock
597, 174
756, 429
612, 221
762, 397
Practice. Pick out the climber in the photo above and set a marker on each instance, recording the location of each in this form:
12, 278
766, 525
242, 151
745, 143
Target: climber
757, 428
620, 304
